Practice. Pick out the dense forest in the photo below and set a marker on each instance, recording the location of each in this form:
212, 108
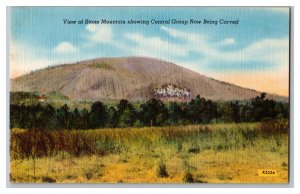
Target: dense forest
153, 112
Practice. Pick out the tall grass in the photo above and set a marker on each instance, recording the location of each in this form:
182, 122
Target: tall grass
164, 153
192, 138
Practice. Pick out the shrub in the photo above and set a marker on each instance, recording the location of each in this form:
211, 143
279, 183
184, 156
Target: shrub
162, 170
179, 147
101, 65
224, 177
47, 179
42, 143
249, 134
70, 176
219, 147
274, 126
284, 164
194, 150
188, 178
88, 174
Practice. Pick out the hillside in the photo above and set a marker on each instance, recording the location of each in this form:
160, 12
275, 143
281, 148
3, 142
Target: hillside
133, 78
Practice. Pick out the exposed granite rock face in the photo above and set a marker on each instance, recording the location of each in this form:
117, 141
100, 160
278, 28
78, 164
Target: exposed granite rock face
132, 78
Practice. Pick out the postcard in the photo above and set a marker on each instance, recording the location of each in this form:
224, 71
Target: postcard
186, 95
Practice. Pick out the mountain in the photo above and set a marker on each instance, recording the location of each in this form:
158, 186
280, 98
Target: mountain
133, 78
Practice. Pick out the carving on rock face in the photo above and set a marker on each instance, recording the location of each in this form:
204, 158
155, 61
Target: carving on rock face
171, 91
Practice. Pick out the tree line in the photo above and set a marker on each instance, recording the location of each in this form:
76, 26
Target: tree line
153, 112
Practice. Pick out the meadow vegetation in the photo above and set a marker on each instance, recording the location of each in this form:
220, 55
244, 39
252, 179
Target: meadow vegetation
200, 141
213, 153
101, 65
152, 112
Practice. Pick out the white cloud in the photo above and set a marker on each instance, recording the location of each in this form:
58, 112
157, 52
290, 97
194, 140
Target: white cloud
154, 46
24, 58
91, 27
228, 41
99, 33
64, 48
193, 42
188, 36
270, 52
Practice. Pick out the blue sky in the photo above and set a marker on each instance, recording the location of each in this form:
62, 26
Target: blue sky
257, 45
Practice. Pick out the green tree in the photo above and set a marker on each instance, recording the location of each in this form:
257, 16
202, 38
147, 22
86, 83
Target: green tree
201, 110
227, 112
85, 119
76, 120
98, 115
63, 117
112, 117
50, 118
126, 114
153, 112
175, 113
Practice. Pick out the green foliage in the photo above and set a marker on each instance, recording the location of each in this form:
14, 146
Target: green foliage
98, 115
138, 124
126, 114
56, 96
200, 110
112, 117
169, 144
249, 134
101, 65
153, 112
64, 117
31, 144
25, 98
175, 113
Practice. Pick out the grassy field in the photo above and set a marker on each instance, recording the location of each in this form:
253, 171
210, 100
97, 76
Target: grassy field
216, 153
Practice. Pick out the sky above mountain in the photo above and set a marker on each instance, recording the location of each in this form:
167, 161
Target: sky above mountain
253, 53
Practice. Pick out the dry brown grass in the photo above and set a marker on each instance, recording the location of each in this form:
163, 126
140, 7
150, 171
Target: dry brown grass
226, 153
